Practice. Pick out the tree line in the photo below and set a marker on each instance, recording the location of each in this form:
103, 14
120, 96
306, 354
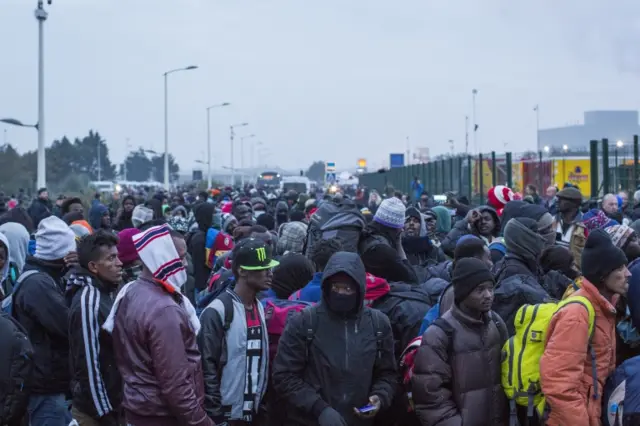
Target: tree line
69, 163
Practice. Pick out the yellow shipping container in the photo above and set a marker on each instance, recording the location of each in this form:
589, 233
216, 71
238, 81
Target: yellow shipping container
574, 170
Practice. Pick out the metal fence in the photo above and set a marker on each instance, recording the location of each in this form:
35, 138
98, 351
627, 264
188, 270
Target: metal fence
606, 167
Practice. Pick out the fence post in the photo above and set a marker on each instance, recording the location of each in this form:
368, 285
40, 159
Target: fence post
509, 166
605, 166
595, 182
470, 176
539, 172
451, 161
635, 162
481, 178
494, 176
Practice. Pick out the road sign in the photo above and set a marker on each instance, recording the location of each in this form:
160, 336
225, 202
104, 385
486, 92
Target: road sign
330, 177
396, 160
330, 166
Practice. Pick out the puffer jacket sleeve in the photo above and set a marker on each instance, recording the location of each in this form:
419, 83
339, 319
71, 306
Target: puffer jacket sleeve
17, 355
167, 350
460, 229
432, 381
385, 377
40, 297
289, 365
562, 366
210, 342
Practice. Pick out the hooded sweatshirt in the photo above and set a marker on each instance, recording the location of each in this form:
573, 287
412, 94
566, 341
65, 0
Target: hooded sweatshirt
344, 364
196, 244
18, 243
5, 279
95, 215
420, 249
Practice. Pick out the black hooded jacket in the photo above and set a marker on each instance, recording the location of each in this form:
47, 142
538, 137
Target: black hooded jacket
196, 244
16, 368
342, 363
40, 307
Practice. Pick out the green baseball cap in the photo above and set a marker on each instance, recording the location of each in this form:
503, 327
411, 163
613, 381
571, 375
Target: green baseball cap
254, 255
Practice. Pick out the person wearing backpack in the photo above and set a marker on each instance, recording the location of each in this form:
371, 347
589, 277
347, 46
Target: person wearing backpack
575, 365
40, 307
457, 376
233, 340
16, 369
323, 251
381, 244
336, 358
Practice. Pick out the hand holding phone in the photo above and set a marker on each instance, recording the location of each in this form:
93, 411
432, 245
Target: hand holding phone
370, 410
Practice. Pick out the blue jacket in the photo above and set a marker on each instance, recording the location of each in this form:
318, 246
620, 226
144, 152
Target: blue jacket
312, 292
417, 189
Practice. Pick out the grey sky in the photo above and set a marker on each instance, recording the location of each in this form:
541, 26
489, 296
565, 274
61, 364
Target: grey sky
331, 80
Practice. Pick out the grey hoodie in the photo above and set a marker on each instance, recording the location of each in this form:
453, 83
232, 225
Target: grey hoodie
18, 238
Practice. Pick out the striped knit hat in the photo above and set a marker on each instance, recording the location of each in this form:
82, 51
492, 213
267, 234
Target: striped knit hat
391, 213
158, 253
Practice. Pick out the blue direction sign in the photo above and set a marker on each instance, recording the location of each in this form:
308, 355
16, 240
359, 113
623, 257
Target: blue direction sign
396, 160
330, 166
330, 177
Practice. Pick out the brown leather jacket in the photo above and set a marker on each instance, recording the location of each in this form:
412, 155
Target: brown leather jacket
159, 360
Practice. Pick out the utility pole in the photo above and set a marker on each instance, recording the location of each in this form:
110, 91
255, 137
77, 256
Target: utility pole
99, 168
41, 16
233, 169
475, 124
466, 134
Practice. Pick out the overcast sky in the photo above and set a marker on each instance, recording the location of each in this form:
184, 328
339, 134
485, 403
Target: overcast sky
318, 80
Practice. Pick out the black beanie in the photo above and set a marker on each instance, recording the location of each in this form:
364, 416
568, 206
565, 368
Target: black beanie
600, 257
267, 221
469, 273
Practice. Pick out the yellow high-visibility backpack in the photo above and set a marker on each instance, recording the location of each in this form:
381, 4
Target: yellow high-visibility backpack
521, 353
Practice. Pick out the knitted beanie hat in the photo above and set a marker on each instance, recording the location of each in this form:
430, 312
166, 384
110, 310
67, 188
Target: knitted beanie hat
469, 273
499, 196
391, 213
620, 235
126, 250
600, 257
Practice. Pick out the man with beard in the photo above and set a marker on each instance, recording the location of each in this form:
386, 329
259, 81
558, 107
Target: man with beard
419, 247
91, 285
570, 232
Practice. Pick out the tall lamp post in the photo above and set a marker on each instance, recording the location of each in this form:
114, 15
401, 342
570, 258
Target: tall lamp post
231, 135
41, 16
619, 144
224, 104
565, 148
242, 138
166, 121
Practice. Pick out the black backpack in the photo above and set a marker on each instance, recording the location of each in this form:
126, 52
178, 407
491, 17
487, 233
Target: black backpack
343, 221
405, 305
17, 354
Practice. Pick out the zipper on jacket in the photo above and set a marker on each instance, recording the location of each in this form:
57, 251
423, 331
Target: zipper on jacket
346, 344
524, 345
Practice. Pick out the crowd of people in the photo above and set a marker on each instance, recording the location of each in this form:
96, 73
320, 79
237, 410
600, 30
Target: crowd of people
254, 307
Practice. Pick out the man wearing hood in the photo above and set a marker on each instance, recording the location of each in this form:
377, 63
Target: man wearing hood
282, 213
99, 217
519, 274
419, 241
18, 238
336, 357
482, 222
40, 307
6, 280
91, 285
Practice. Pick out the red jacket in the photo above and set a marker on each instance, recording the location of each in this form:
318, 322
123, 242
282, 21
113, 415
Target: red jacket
565, 367
159, 360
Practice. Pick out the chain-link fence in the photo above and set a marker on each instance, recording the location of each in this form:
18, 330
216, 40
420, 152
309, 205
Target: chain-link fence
605, 167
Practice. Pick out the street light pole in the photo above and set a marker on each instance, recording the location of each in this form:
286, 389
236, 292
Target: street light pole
231, 135
537, 110
242, 155
475, 124
166, 121
224, 104
41, 16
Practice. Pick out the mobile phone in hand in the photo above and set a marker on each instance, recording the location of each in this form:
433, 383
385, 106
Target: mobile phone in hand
367, 408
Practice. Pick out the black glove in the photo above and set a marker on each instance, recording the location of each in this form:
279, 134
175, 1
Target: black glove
330, 417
